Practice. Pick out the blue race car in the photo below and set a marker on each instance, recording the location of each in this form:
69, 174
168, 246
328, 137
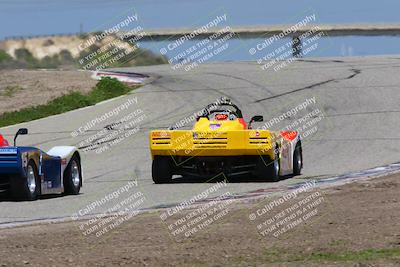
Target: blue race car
28, 172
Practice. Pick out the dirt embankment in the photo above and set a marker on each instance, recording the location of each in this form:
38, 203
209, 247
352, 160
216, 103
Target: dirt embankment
25, 88
41, 47
356, 225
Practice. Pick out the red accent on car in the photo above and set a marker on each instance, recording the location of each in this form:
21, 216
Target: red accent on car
243, 122
160, 134
3, 142
221, 117
289, 135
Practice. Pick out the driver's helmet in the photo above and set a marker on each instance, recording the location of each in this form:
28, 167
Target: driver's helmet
3, 142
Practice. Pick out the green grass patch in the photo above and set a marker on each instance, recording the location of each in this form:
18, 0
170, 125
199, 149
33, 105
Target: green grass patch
362, 255
105, 89
273, 256
10, 90
4, 56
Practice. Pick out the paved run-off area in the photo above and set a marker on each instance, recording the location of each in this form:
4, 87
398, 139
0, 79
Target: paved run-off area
359, 129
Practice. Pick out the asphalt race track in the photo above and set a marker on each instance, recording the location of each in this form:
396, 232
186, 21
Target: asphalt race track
358, 97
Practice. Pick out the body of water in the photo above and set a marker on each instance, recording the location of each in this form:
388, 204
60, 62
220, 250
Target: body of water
43, 17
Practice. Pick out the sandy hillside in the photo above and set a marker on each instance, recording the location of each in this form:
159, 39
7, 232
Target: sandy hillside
24, 88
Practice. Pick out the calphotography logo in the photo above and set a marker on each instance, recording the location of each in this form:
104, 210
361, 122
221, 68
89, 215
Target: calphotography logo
104, 117
115, 129
198, 213
187, 53
109, 212
305, 39
283, 214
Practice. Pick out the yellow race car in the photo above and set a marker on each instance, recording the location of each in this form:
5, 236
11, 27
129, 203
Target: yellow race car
222, 142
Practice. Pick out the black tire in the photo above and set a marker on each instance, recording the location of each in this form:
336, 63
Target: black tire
73, 176
268, 170
161, 169
26, 187
297, 160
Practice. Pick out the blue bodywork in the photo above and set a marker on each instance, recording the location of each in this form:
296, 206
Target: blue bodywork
14, 161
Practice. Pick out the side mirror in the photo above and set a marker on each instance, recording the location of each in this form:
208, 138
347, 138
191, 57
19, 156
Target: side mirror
256, 118
22, 131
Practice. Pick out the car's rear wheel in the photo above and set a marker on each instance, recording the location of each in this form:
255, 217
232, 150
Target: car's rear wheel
73, 176
297, 160
268, 170
162, 169
26, 187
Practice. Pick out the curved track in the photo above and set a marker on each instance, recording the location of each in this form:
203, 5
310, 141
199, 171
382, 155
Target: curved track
359, 98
